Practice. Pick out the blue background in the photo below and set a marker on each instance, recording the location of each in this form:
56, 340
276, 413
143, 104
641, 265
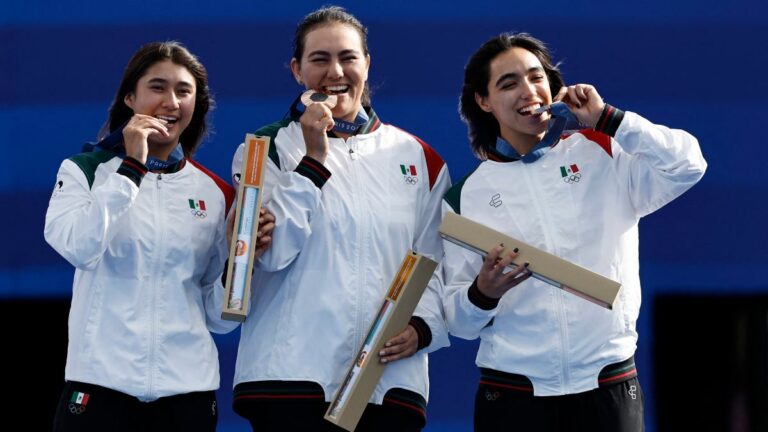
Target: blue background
693, 64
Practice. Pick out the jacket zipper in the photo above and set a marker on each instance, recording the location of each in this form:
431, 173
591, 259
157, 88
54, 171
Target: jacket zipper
560, 307
359, 270
155, 280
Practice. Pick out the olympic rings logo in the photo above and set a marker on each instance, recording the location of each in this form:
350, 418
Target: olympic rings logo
198, 214
76, 408
411, 180
573, 178
491, 396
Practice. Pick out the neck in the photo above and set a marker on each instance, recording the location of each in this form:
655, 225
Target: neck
522, 144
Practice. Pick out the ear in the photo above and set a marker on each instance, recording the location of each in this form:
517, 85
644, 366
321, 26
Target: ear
128, 100
296, 70
482, 102
367, 65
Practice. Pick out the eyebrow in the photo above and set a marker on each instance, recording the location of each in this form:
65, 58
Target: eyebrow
512, 75
328, 54
165, 82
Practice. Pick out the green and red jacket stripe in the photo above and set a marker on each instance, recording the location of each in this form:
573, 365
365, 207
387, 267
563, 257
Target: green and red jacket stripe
610, 375
453, 196
135, 170
249, 392
609, 120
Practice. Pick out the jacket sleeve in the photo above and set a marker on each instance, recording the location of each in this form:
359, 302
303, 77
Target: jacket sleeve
428, 243
81, 221
657, 163
293, 197
463, 312
212, 285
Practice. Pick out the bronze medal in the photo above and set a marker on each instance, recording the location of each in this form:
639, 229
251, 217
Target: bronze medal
310, 97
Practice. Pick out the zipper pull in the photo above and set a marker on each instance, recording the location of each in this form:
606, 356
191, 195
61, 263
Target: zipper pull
159, 178
352, 154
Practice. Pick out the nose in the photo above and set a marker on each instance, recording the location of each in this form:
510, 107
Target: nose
528, 89
171, 100
335, 70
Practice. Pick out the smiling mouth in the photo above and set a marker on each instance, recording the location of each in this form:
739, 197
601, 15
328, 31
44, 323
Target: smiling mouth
335, 89
170, 120
529, 110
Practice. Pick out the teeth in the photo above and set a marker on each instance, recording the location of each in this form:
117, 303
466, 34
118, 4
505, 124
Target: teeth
337, 88
169, 119
529, 109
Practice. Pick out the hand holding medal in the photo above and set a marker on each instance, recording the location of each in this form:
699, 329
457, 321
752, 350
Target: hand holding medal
316, 121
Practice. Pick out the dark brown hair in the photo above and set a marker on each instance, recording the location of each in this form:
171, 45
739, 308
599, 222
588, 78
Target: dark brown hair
483, 128
143, 59
330, 15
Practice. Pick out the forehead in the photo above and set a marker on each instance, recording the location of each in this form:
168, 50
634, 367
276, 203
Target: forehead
168, 71
514, 60
333, 37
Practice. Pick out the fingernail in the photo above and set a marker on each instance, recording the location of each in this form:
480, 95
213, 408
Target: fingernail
382, 353
515, 250
383, 360
388, 344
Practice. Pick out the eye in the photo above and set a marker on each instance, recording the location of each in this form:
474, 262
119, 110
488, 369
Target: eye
538, 78
508, 85
348, 59
156, 88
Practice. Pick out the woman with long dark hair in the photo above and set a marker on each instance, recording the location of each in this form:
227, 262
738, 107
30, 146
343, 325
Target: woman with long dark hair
551, 361
351, 195
144, 227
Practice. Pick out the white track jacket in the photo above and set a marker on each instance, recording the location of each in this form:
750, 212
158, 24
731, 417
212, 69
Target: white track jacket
581, 201
147, 286
341, 234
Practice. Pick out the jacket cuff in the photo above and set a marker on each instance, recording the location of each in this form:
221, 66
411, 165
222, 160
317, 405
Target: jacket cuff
314, 171
477, 298
422, 331
133, 169
609, 120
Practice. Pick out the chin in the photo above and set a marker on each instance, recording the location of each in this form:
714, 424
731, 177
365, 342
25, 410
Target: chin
345, 113
166, 142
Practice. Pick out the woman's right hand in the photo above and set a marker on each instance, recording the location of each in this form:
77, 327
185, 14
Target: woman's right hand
266, 226
264, 235
136, 133
315, 122
492, 281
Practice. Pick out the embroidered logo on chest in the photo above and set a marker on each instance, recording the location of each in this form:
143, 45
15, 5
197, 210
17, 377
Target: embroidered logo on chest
197, 208
409, 174
495, 200
570, 173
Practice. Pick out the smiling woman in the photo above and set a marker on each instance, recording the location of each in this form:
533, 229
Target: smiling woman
166, 83
351, 196
163, 103
147, 287
550, 361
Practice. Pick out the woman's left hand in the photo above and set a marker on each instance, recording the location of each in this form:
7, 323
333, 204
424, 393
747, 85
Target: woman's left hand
584, 101
401, 346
